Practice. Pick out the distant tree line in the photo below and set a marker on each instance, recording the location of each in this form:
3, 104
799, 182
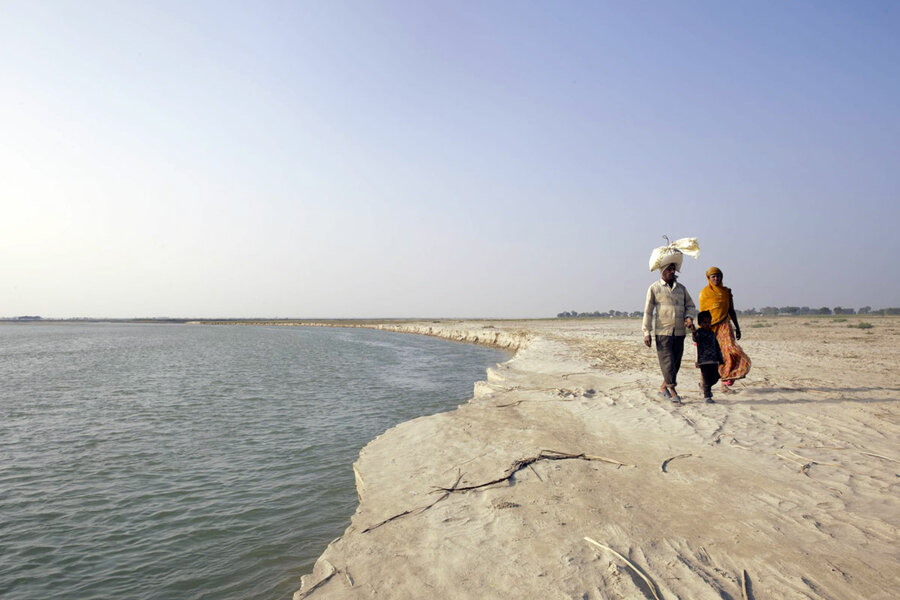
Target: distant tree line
769, 311
805, 310
571, 314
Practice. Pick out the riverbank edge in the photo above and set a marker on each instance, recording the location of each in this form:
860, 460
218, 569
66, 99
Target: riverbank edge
578, 387
483, 333
486, 335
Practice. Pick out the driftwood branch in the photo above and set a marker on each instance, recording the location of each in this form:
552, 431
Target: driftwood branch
813, 461
512, 470
419, 510
331, 573
527, 462
804, 462
880, 456
787, 458
745, 585
516, 403
860, 450
634, 568
804, 467
668, 460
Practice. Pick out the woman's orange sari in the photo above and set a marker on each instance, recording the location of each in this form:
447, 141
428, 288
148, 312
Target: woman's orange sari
717, 300
737, 363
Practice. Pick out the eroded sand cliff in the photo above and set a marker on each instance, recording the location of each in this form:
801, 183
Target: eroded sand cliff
786, 489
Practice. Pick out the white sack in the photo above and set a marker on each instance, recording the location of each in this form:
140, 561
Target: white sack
674, 253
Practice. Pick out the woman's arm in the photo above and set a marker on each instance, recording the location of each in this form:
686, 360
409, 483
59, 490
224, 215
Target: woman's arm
733, 314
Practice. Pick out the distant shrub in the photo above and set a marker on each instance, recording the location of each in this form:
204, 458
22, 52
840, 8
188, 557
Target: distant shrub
761, 324
840, 320
861, 325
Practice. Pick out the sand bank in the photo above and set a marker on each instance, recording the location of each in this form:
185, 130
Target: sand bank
789, 488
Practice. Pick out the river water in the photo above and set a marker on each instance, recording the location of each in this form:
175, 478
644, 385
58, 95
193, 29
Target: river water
196, 462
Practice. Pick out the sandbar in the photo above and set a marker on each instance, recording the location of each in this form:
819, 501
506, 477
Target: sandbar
566, 476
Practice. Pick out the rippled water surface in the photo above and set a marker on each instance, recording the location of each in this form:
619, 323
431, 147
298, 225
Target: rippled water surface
196, 462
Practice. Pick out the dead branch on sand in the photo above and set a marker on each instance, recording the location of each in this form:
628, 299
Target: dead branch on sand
516, 403
844, 448
813, 461
804, 466
416, 510
567, 375
525, 462
804, 462
668, 460
536, 474
789, 459
634, 568
331, 573
863, 452
880, 456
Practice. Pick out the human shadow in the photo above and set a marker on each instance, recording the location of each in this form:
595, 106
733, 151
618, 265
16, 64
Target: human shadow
776, 401
773, 390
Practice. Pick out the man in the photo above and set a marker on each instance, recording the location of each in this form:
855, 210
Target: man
674, 315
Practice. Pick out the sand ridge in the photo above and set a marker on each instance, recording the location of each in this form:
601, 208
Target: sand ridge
786, 489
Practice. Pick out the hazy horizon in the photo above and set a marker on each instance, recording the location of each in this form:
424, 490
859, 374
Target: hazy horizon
874, 311
393, 159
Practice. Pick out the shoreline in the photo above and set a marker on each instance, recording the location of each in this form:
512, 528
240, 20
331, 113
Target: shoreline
487, 335
776, 490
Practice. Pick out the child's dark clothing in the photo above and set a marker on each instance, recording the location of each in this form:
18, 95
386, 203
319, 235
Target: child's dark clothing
709, 357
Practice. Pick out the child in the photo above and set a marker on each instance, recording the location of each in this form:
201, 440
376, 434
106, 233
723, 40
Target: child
709, 355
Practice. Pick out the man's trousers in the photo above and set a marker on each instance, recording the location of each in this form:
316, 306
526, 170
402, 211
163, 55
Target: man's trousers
669, 350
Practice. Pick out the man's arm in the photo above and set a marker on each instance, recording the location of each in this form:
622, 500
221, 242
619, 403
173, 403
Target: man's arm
647, 325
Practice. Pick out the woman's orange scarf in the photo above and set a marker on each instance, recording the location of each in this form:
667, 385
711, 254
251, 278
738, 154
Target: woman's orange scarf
715, 298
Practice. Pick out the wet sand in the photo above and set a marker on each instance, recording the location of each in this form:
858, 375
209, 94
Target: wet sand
788, 488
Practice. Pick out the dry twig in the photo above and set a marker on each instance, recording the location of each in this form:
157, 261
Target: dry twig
516, 403
813, 461
880, 456
417, 510
804, 467
668, 460
332, 572
634, 568
525, 462
567, 375
788, 458
846, 448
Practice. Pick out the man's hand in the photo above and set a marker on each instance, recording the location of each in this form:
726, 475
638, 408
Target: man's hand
647, 340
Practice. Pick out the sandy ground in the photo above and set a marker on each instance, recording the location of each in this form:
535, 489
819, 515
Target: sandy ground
789, 488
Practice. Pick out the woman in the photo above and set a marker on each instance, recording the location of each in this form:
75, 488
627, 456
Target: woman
717, 299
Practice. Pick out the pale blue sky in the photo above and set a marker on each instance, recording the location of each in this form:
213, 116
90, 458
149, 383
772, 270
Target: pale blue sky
477, 159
